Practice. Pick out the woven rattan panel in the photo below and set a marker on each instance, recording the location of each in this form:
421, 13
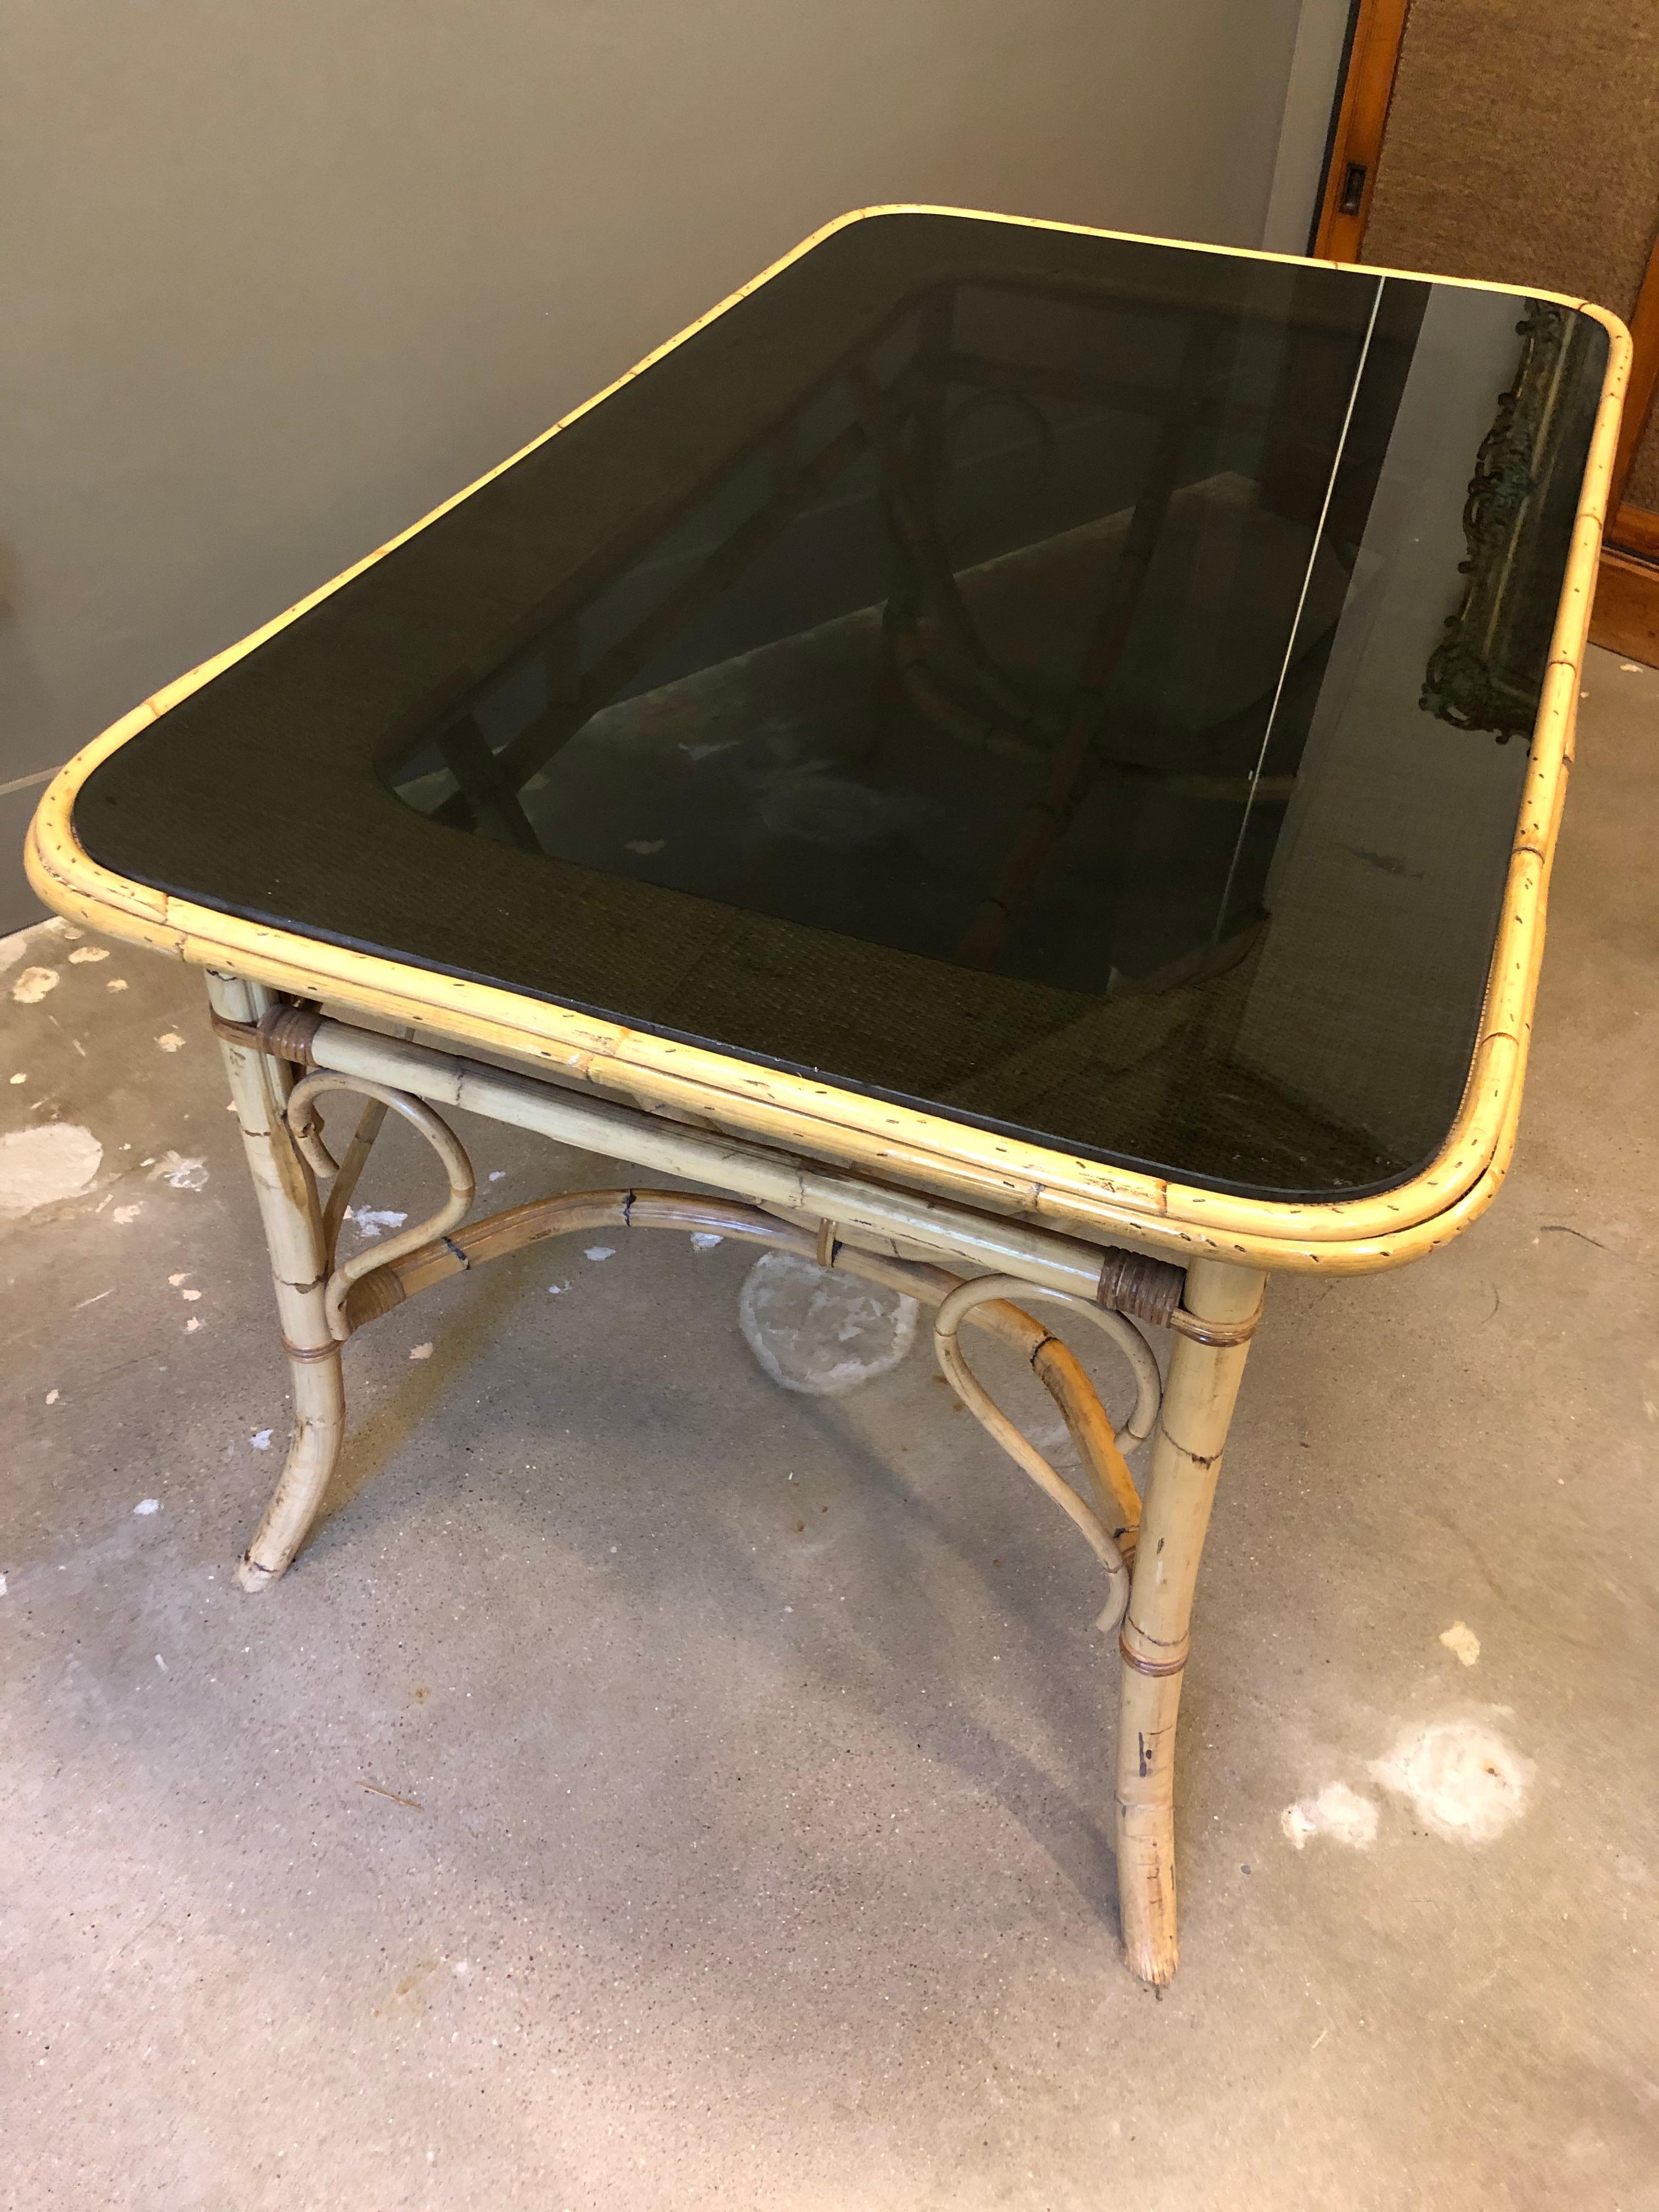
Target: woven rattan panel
1519, 149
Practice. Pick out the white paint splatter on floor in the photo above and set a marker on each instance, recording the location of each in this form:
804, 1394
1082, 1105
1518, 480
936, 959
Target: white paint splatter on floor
368, 1220
496, 1173
170, 1041
818, 1332
181, 1174
600, 1252
127, 1214
20, 1077
147, 1505
116, 983
18, 945
1462, 1779
51, 1397
13, 948
704, 1240
261, 1440
1337, 1812
421, 1351
173, 1281
1460, 1640
85, 954
645, 847
40, 1166
32, 985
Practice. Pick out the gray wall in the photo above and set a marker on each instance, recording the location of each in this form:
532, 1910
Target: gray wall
275, 279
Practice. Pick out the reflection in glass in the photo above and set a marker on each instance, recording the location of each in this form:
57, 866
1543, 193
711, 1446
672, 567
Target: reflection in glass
996, 668
1000, 648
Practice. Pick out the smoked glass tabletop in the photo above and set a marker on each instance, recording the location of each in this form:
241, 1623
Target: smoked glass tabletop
1078, 685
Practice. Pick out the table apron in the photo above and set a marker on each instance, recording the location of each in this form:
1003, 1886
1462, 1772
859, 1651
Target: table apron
767, 1178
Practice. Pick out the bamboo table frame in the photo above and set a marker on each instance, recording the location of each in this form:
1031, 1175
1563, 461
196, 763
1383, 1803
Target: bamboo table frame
860, 1184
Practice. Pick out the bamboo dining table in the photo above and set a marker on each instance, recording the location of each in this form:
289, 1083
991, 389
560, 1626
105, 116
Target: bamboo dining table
1020, 762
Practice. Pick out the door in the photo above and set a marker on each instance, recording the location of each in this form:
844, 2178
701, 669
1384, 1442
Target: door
1471, 142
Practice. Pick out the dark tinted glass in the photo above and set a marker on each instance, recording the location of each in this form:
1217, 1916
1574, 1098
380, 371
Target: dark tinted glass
1052, 678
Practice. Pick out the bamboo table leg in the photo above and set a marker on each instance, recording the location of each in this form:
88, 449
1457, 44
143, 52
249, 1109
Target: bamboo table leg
1198, 1405
1220, 1302
294, 1232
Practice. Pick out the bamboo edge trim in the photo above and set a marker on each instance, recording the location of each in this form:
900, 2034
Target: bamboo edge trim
1142, 1287
1139, 1286
1387, 1233
1355, 1235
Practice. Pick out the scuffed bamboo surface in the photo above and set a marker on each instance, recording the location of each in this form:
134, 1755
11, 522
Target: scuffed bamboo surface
1156, 1635
287, 1195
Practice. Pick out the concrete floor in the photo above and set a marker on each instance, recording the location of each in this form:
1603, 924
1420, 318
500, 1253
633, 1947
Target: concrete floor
652, 1788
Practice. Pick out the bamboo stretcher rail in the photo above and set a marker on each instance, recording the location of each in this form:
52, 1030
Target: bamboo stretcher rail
514, 1230
283, 1134
377, 1284
1038, 1256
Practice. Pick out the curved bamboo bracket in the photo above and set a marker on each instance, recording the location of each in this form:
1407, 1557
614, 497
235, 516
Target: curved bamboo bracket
372, 1283
1101, 1453
1108, 1523
306, 1128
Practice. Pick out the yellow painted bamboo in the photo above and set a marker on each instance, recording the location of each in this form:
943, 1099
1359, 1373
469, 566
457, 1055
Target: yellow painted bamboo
1156, 1636
897, 1144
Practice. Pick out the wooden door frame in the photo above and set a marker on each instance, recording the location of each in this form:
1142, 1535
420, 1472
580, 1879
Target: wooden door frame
1633, 527
1625, 617
1376, 32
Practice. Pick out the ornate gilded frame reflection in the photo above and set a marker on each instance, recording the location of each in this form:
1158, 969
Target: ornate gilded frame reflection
1485, 674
